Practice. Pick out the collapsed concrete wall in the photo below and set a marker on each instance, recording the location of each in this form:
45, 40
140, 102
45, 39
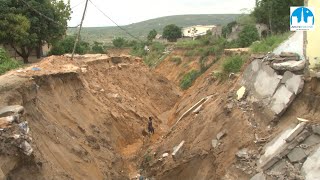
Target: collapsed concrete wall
273, 89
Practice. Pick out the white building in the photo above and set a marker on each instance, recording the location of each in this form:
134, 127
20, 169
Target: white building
198, 30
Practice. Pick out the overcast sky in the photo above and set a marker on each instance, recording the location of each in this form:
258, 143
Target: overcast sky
131, 11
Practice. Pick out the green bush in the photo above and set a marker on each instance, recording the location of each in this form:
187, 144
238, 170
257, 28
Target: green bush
6, 63
97, 47
119, 42
248, 35
66, 46
188, 79
176, 59
188, 44
232, 64
269, 44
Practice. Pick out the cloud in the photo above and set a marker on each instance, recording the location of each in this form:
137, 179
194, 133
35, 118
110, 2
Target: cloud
127, 11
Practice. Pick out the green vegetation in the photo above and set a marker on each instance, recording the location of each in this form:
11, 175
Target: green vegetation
172, 32
25, 30
66, 46
275, 13
188, 79
248, 35
119, 42
6, 63
141, 29
188, 44
152, 34
98, 47
176, 59
233, 64
269, 44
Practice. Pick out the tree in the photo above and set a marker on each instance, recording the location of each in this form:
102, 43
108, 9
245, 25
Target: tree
248, 35
119, 42
66, 46
152, 34
27, 25
172, 32
97, 47
275, 13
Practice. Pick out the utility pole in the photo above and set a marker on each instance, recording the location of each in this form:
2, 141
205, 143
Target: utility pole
78, 35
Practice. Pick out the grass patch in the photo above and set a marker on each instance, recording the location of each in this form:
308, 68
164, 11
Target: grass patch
189, 44
6, 63
232, 64
176, 59
188, 79
269, 44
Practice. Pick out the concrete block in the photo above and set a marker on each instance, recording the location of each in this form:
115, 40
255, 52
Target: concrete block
294, 83
316, 129
221, 134
281, 100
290, 66
259, 176
279, 167
177, 149
294, 132
266, 82
10, 110
312, 140
311, 167
296, 155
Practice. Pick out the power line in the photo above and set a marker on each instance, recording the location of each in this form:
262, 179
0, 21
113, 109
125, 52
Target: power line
78, 35
114, 22
77, 4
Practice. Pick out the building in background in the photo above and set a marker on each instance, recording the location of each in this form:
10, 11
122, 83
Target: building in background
201, 30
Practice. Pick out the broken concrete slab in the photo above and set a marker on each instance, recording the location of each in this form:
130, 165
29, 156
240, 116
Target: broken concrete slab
281, 100
214, 143
26, 147
294, 83
311, 167
221, 134
289, 66
177, 150
165, 155
297, 130
289, 54
279, 167
296, 155
259, 176
241, 93
267, 81
312, 140
316, 129
11, 110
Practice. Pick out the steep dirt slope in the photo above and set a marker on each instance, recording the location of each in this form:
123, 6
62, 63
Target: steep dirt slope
222, 113
87, 125
174, 71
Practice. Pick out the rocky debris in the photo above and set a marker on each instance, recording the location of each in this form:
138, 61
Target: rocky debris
14, 131
221, 134
266, 85
177, 150
10, 110
291, 155
214, 143
164, 155
243, 154
241, 93
259, 176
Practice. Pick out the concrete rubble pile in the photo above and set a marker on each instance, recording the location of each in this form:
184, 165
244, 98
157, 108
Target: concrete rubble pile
294, 154
14, 131
271, 84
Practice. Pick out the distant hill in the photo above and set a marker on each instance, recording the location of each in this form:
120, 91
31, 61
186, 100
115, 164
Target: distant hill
141, 29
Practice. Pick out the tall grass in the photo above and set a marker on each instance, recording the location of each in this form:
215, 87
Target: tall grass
6, 63
269, 44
